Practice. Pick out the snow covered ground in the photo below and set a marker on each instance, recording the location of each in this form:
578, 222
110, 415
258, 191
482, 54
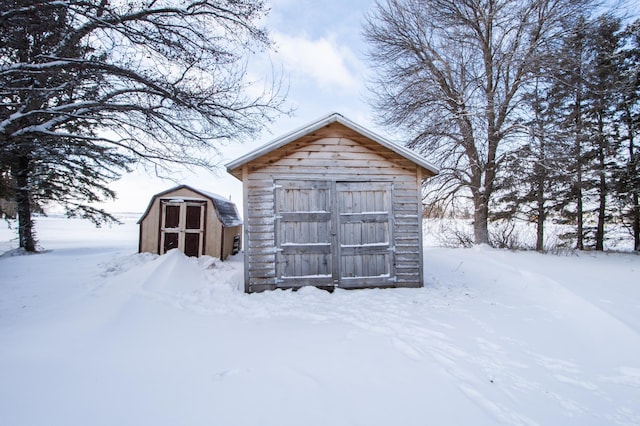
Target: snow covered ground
92, 333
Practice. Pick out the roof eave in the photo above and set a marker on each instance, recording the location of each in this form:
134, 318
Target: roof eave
398, 149
205, 195
234, 167
279, 142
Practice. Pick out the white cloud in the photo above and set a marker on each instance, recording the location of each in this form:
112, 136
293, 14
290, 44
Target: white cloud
325, 62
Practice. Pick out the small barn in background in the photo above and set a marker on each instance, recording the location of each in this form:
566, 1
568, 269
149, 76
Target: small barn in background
332, 205
195, 221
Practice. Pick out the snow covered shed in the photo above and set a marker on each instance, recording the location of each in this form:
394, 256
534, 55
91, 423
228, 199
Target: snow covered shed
194, 221
332, 205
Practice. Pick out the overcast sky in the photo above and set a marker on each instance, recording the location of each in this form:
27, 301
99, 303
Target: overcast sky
321, 53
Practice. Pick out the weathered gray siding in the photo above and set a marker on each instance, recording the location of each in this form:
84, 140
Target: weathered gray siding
334, 154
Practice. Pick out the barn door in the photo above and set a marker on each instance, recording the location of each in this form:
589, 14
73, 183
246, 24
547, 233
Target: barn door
365, 234
334, 234
182, 227
303, 233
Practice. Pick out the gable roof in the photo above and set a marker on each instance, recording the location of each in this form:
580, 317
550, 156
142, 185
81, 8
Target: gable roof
225, 210
322, 122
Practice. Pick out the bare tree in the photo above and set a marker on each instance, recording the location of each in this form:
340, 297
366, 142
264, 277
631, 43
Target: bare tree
89, 86
452, 72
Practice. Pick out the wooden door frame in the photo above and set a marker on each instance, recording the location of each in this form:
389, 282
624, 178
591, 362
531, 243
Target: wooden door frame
366, 281
182, 220
335, 242
280, 217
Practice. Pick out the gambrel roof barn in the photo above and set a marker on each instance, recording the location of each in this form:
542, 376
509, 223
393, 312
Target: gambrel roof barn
194, 221
332, 205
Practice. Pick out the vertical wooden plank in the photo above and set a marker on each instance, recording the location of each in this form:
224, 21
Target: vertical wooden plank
245, 214
335, 230
388, 202
204, 228
283, 198
299, 232
419, 178
357, 207
305, 233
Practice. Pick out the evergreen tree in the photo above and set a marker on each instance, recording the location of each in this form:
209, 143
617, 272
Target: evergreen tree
600, 116
87, 87
566, 168
42, 166
534, 171
568, 92
7, 203
628, 173
584, 95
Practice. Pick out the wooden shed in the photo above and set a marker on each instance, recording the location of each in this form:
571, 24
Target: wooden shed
332, 205
195, 221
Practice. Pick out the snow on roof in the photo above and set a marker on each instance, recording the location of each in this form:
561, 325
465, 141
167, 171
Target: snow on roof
227, 212
325, 121
212, 195
179, 198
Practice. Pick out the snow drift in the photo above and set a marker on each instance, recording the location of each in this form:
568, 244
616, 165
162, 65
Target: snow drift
94, 334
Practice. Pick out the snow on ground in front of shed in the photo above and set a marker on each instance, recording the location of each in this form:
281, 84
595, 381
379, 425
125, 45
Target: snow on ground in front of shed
92, 333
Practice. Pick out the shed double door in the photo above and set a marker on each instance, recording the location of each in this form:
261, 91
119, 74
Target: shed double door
182, 227
334, 234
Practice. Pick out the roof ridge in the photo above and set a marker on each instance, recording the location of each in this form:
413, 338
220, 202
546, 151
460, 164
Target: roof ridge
324, 121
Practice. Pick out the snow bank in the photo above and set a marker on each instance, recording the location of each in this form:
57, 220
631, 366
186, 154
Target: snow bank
101, 335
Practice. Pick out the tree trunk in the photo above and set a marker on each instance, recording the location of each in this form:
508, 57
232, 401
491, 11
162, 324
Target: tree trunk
579, 213
636, 223
578, 159
635, 204
541, 216
601, 213
541, 178
20, 173
481, 220
602, 189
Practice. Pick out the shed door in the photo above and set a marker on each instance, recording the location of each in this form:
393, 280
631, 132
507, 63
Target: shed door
182, 227
334, 233
365, 234
303, 233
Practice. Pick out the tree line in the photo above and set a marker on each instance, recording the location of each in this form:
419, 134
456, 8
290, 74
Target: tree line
531, 107
91, 88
